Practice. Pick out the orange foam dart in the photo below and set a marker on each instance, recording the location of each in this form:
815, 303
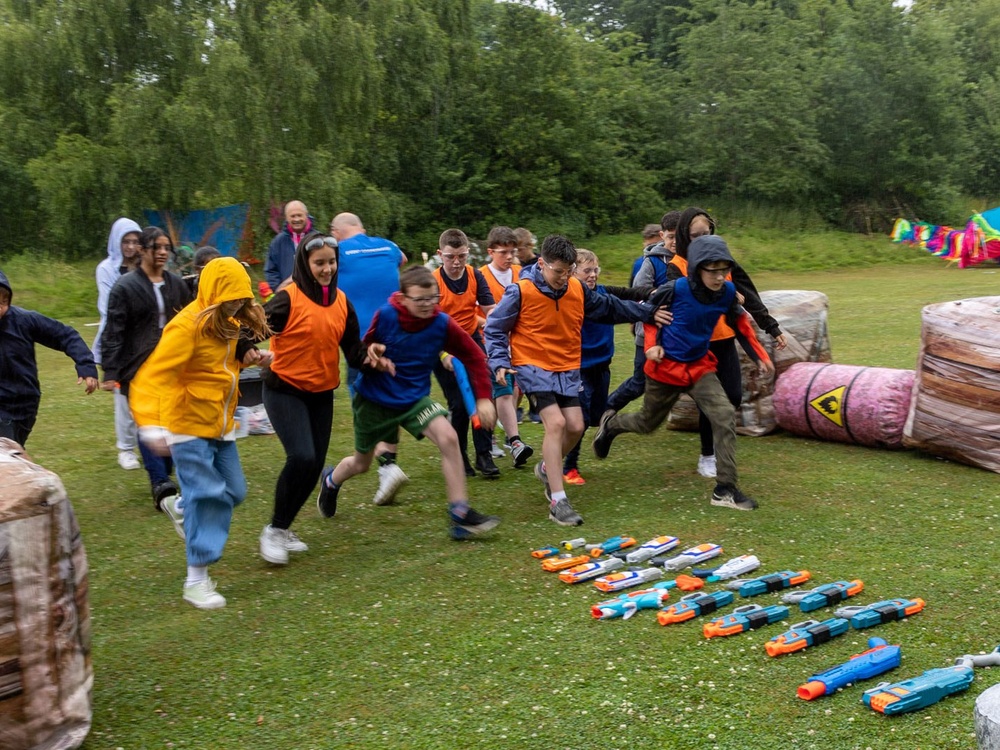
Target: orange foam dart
554, 564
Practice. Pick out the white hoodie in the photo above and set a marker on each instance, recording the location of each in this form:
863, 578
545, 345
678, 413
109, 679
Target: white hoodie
108, 272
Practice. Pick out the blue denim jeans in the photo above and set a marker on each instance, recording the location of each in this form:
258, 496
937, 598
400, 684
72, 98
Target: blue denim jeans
157, 467
212, 484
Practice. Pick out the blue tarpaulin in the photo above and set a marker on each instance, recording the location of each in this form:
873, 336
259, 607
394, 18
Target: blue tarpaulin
222, 228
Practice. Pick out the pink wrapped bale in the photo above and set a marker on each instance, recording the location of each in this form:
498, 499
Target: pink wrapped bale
45, 669
802, 317
844, 403
955, 412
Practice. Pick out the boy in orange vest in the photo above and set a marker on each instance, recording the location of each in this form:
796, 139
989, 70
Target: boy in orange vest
535, 332
500, 272
466, 297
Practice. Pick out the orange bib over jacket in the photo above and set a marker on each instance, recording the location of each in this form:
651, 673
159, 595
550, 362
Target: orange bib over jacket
307, 353
722, 329
547, 334
462, 308
496, 288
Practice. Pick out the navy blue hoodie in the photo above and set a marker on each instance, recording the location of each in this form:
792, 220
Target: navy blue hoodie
20, 330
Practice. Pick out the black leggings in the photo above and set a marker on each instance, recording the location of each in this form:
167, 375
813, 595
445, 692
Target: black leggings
303, 422
732, 383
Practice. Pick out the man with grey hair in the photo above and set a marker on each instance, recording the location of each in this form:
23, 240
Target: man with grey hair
281, 253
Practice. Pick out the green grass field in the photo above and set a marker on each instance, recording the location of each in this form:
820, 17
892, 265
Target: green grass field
388, 635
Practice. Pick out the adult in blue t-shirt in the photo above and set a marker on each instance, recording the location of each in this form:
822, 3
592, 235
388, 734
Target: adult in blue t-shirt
368, 273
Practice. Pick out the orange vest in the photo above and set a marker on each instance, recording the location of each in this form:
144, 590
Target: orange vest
722, 328
496, 288
547, 334
307, 352
462, 308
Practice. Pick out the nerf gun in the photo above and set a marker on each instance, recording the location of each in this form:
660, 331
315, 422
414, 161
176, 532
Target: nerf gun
608, 546
627, 578
265, 290
731, 569
657, 546
768, 583
742, 619
694, 605
563, 562
465, 388
824, 596
928, 688
880, 657
571, 544
880, 612
805, 634
586, 571
628, 604
548, 551
690, 556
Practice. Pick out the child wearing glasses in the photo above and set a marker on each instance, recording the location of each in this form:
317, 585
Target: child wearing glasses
312, 320
405, 340
678, 360
535, 333
466, 297
500, 273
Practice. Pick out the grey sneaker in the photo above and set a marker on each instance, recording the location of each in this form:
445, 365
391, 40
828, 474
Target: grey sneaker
294, 544
543, 477
603, 438
564, 515
496, 451
173, 506
474, 523
727, 496
274, 545
520, 452
390, 479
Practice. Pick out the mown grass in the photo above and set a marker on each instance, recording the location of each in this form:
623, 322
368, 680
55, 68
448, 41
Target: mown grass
388, 635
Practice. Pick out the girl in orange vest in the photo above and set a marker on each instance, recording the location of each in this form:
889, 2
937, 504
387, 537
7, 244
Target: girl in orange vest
310, 319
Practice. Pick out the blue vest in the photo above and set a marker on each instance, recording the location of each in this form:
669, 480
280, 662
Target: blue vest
686, 338
597, 340
414, 355
659, 269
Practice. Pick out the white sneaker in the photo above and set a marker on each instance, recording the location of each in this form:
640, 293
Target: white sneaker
128, 460
274, 545
173, 506
294, 544
706, 466
496, 451
390, 479
203, 595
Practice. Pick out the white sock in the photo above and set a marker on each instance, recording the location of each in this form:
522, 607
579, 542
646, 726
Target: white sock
196, 574
557, 496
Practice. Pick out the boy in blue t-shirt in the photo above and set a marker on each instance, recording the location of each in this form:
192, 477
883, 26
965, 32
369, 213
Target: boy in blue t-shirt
406, 337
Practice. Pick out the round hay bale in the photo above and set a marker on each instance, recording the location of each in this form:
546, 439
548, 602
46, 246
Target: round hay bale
955, 412
844, 403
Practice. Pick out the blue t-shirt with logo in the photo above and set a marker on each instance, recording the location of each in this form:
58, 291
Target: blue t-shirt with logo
368, 274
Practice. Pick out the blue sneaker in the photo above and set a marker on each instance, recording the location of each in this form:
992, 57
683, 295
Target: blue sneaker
473, 524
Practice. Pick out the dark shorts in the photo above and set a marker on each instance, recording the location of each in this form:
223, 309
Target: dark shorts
374, 423
541, 399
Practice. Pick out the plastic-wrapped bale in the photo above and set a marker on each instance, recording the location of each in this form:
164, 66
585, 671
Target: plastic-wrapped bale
802, 317
45, 670
844, 403
955, 410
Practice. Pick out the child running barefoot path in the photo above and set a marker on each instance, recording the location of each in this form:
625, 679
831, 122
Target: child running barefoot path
535, 332
405, 341
183, 398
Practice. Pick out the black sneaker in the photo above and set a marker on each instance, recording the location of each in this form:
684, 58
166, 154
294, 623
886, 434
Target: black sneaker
474, 523
603, 438
727, 496
563, 514
326, 500
469, 471
520, 452
161, 491
489, 470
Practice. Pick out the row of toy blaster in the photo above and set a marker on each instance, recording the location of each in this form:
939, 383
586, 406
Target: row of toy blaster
656, 546
609, 581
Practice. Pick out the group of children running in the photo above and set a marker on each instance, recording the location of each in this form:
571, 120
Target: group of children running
545, 328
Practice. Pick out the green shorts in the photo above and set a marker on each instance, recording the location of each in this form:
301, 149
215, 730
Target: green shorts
374, 423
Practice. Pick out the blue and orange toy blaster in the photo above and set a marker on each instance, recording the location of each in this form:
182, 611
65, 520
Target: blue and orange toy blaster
586, 571
564, 562
628, 604
742, 619
824, 596
465, 388
694, 605
608, 546
805, 634
542, 552
880, 612
878, 659
766, 584
928, 688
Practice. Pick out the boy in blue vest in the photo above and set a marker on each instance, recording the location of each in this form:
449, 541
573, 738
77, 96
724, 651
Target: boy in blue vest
407, 336
678, 361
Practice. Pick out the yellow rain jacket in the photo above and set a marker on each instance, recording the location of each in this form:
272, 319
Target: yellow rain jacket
190, 383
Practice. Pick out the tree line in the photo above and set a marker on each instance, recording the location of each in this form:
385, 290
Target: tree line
580, 115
